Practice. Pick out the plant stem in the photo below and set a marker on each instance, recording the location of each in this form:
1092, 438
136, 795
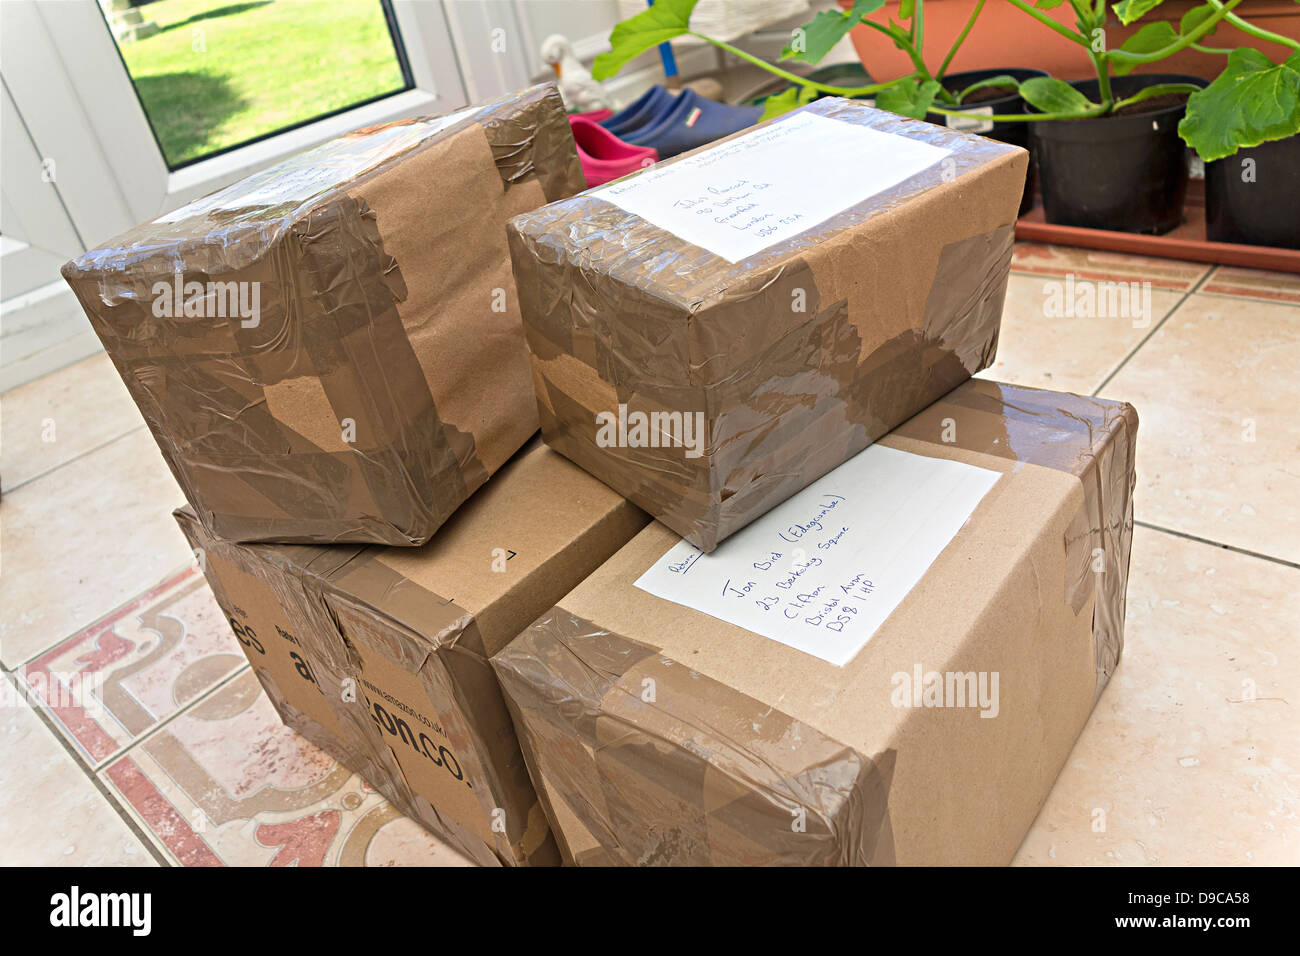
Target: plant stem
1184, 40
904, 42
1024, 117
1103, 74
961, 38
1160, 89
918, 27
849, 91
1258, 32
1049, 22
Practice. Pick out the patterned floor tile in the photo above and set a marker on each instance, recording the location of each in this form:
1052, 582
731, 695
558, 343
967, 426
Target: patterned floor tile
1171, 275
226, 784
119, 678
51, 812
1254, 284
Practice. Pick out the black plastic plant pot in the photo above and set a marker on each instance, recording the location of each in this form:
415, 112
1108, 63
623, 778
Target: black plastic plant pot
1017, 134
1123, 173
1253, 196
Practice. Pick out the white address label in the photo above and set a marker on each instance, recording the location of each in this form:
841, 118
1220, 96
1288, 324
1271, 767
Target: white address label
822, 571
737, 199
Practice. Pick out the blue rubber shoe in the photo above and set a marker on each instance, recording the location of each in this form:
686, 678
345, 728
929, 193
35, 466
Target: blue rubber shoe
693, 121
649, 106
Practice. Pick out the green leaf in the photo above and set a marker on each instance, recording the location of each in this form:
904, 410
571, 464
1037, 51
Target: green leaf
899, 37
818, 35
908, 98
1050, 95
1154, 36
1252, 101
1194, 17
1130, 10
906, 8
787, 100
664, 21
1003, 81
1159, 89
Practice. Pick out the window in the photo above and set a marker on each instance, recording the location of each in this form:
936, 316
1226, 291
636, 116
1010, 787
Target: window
213, 75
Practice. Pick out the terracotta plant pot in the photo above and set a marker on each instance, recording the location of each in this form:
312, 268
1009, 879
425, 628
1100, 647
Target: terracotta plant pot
1004, 34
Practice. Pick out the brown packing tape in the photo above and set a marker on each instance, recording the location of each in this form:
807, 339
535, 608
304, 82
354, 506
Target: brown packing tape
748, 785
422, 366
531, 140
1093, 439
798, 356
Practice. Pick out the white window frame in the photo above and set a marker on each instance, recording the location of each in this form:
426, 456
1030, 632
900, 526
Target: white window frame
62, 68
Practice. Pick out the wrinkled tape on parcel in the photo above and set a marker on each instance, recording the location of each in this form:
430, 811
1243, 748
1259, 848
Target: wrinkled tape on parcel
620, 311
249, 418
744, 775
733, 772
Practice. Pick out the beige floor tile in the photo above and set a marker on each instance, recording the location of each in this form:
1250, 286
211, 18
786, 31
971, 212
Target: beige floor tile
1216, 390
82, 540
51, 813
1074, 353
1191, 756
1168, 274
227, 784
1254, 284
56, 418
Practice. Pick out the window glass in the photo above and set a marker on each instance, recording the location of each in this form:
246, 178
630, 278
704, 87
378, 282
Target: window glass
214, 74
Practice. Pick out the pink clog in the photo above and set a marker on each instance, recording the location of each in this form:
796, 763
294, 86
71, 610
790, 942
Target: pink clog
604, 156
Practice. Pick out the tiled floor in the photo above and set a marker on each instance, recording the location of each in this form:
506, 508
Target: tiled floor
172, 755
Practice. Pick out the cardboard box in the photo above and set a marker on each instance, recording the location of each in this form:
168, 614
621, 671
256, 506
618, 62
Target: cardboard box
386, 649
330, 350
660, 734
711, 334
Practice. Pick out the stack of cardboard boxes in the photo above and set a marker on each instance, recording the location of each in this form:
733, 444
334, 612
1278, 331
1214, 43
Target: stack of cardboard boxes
879, 601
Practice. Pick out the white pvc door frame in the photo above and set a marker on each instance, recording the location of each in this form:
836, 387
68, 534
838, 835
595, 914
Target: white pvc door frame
67, 81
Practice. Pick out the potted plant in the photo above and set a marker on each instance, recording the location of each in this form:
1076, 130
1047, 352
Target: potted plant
971, 97
1110, 150
1246, 126
967, 99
